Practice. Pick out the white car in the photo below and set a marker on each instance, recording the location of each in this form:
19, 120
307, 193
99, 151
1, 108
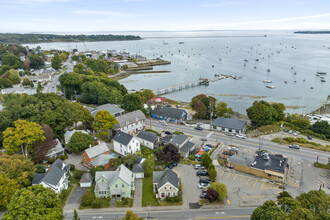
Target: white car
243, 136
163, 122
203, 185
296, 133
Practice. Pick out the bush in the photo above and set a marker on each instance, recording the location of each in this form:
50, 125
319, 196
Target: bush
174, 199
178, 132
78, 174
97, 203
72, 167
51, 160
158, 134
87, 198
63, 194
212, 174
62, 157
40, 168
191, 157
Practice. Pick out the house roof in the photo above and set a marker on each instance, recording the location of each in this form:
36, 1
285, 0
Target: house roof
68, 134
169, 112
101, 160
187, 147
129, 118
122, 138
19, 90
111, 108
229, 123
37, 178
245, 161
55, 173
97, 150
121, 172
86, 178
267, 161
48, 71
148, 136
138, 168
139, 159
164, 176
57, 149
179, 139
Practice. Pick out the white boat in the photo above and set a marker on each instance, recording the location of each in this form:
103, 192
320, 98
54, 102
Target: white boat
271, 87
267, 81
321, 73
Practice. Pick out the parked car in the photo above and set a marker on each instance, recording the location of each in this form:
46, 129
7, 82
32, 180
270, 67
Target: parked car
199, 128
296, 133
168, 133
290, 132
202, 173
199, 159
68, 150
170, 166
309, 137
286, 130
230, 134
210, 145
182, 123
174, 164
243, 136
235, 149
199, 167
294, 146
203, 196
203, 185
204, 180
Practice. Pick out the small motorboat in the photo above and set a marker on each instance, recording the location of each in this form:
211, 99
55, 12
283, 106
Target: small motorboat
271, 87
267, 81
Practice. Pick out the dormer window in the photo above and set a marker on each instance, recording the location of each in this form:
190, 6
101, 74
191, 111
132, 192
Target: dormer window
127, 122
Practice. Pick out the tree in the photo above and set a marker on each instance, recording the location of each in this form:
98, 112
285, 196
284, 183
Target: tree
75, 215
132, 102
168, 153
269, 210
80, 141
130, 215
7, 189
22, 136
71, 83
34, 202
104, 123
283, 194
129, 160
87, 198
321, 127
12, 61
36, 62
115, 162
41, 148
206, 159
56, 62
203, 105
148, 166
212, 195
220, 188
221, 109
13, 76
212, 174
300, 121
27, 82
18, 168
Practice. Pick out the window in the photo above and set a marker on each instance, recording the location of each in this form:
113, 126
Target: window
122, 185
269, 175
116, 186
223, 129
169, 194
170, 187
136, 143
230, 130
127, 122
165, 187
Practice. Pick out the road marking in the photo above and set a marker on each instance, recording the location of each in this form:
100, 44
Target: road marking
255, 183
241, 179
228, 175
250, 151
235, 177
309, 164
299, 162
262, 185
260, 198
222, 173
220, 217
244, 149
248, 181
228, 201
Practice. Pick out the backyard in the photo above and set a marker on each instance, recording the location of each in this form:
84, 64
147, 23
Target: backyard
148, 197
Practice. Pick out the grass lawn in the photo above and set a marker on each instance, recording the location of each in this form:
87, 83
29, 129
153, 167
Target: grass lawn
65, 194
323, 166
308, 144
125, 202
148, 197
269, 128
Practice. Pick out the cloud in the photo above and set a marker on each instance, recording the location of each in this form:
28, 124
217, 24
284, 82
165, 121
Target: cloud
280, 20
98, 12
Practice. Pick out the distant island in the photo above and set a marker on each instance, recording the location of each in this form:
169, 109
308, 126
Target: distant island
312, 32
47, 38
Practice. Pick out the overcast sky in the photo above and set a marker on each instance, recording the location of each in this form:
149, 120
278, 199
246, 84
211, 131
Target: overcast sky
151, 15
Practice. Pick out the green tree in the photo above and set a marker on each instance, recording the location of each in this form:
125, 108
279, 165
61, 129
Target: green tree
132, 102
115, 162
212, 174
220, 188
13, 76
12, 61
300, 121
27, 82
75, 215
34, 202
206, 160
104, 123
269, 210
221, 109
130, 215
71, 83
321, 127
7, 189
22, 136
80, 141
56, 62
129, 160
148, 166
18, 168
36, 62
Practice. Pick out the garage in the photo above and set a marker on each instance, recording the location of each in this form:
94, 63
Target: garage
138, 171
86, 180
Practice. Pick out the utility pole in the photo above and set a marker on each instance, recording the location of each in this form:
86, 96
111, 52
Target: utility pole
148, 217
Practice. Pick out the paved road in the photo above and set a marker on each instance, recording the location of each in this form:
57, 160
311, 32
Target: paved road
303, 153
242, 213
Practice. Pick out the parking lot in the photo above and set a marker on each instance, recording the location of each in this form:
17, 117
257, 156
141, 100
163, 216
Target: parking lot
189, 181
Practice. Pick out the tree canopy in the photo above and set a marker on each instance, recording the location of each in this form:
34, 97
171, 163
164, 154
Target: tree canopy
42, 147
321, 127
56, 62
80, 141
203, 105
220, 188
34, 202
104, 123
169, 153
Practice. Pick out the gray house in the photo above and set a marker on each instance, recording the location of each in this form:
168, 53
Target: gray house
229, 125
131, 122
165, 183
183, 143
148, 139
113, 109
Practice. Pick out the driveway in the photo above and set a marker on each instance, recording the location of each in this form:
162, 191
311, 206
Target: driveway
137, 203
75, 198
76, 160
189, 181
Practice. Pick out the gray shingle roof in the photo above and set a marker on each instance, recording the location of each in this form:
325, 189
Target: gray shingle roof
179, 139
121, 172
164, 176
138, 168
111, 108
168, 112
229, 123
272, 162
86, 178
97, 150
37, 178
187, 147
54, 175
122, 138
131, 118
101, 160
148, 136
245, 161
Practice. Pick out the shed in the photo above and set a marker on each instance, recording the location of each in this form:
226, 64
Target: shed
86, 180
138, 171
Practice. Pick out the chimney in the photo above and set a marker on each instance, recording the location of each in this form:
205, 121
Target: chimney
90, 146
119, 168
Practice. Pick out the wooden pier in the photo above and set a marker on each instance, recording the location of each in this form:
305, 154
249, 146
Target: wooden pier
200, 82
